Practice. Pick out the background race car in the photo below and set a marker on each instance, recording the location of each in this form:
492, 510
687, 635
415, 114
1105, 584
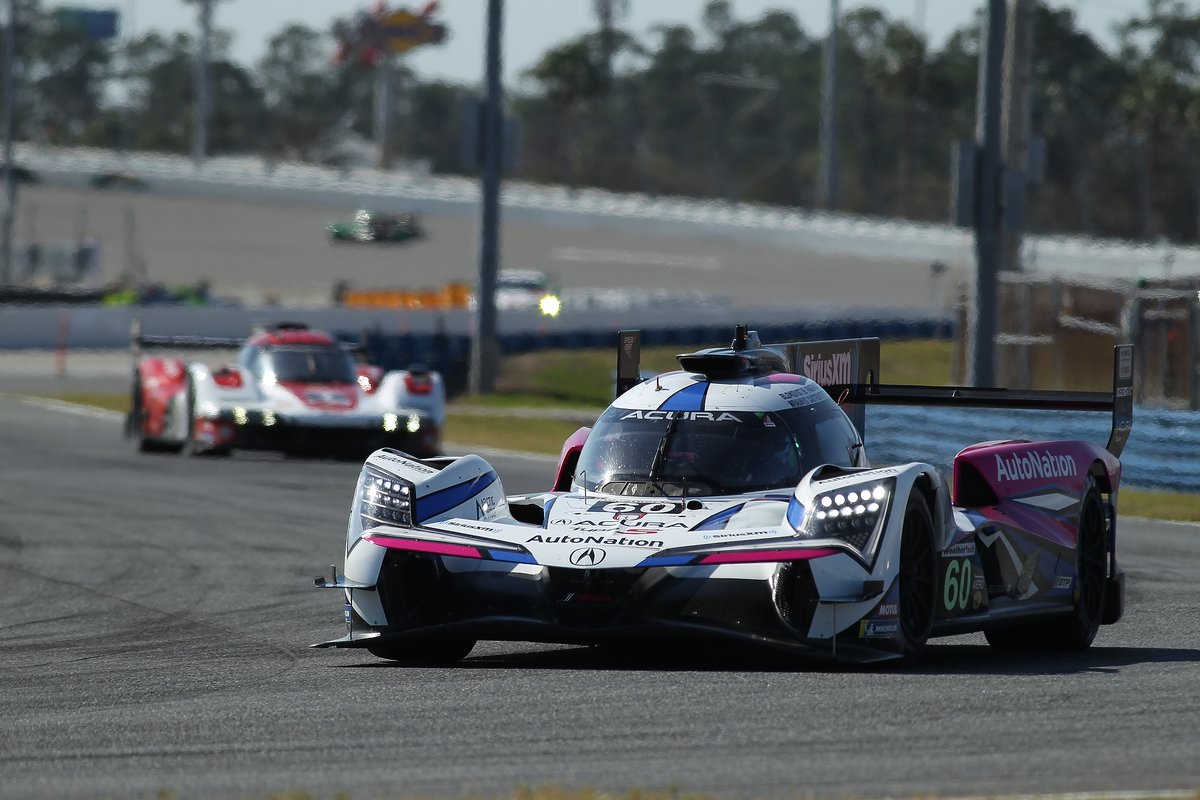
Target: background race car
376, 226
290, 389
734, 499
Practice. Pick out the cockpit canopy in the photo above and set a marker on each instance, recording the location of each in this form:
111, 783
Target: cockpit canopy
698, 453
300, 363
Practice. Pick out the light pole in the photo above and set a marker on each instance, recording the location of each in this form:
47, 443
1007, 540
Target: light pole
10, 185
485, 352
829, 188
202, 84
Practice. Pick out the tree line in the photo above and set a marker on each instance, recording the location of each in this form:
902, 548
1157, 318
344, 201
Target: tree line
729, 110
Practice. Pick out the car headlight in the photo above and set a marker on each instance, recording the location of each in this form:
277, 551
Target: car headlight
385, 499
851, 514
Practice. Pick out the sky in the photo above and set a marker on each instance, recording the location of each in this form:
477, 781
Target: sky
533, 26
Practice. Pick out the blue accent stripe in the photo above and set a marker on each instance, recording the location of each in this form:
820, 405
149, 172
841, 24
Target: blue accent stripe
689, 398
511, 557
442, 501
795, 514
549, 504
667, 561
719, 520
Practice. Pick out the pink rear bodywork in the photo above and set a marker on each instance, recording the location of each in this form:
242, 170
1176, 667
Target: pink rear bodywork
568, 458
1018, 468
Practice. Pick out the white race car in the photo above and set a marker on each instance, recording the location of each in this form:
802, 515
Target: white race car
291, 389
734, 498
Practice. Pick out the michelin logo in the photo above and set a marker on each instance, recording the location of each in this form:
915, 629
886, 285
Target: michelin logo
1031, 464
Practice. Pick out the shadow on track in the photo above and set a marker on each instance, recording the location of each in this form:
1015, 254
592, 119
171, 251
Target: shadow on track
952, 659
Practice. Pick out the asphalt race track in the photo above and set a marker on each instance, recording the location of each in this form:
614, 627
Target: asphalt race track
156, 612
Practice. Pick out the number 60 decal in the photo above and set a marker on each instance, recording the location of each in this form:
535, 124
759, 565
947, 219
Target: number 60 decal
957, 584
638, 508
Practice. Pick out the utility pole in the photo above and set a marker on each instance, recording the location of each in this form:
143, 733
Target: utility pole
987, 183
200, 75
485, 350
829, 189
1015, 118
384, 111
10, 184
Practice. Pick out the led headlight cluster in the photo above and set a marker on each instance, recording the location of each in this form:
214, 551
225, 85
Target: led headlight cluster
385, 500
852, 514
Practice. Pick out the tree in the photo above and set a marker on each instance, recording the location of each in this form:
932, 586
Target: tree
300, 91
1161, 50
572, 73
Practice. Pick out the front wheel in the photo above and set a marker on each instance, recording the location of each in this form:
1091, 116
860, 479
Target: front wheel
135, 424
918, 566
432, 651
192, 445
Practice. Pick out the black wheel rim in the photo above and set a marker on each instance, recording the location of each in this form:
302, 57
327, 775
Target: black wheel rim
916, 576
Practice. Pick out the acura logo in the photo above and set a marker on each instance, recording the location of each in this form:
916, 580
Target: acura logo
587, 556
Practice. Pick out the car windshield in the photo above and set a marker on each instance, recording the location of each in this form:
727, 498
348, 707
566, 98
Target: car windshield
693, 453
311, 364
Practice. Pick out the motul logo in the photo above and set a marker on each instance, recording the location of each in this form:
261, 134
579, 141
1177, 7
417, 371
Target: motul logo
1031, 464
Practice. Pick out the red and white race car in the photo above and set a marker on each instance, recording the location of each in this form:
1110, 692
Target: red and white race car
291, 389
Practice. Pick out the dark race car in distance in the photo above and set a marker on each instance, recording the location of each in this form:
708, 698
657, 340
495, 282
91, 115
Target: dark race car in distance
376, 226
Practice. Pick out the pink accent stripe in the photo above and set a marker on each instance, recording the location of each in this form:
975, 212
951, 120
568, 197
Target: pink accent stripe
437, 548
750, 556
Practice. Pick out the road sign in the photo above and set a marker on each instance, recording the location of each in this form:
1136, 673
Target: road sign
94, 23
402, 30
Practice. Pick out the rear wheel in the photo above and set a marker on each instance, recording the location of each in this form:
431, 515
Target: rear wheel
1077, 630
918, 567
431, 651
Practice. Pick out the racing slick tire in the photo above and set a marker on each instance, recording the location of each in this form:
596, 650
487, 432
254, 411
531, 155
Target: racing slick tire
1077, 630
191, 446
430, 652
917, 575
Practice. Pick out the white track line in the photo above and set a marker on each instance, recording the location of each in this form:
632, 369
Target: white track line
78, 409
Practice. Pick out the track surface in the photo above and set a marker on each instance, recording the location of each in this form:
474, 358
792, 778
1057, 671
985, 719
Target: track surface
266, 250
156, 612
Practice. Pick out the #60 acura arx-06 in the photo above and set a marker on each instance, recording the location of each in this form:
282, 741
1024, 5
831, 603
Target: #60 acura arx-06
735, 499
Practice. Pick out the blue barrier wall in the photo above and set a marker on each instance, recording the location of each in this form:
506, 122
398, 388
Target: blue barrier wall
1163, 451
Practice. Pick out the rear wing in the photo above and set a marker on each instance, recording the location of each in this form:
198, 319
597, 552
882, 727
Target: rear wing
849, 370
1118, 402
140, 342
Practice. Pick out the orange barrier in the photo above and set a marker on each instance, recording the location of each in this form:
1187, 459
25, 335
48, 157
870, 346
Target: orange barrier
450, 296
